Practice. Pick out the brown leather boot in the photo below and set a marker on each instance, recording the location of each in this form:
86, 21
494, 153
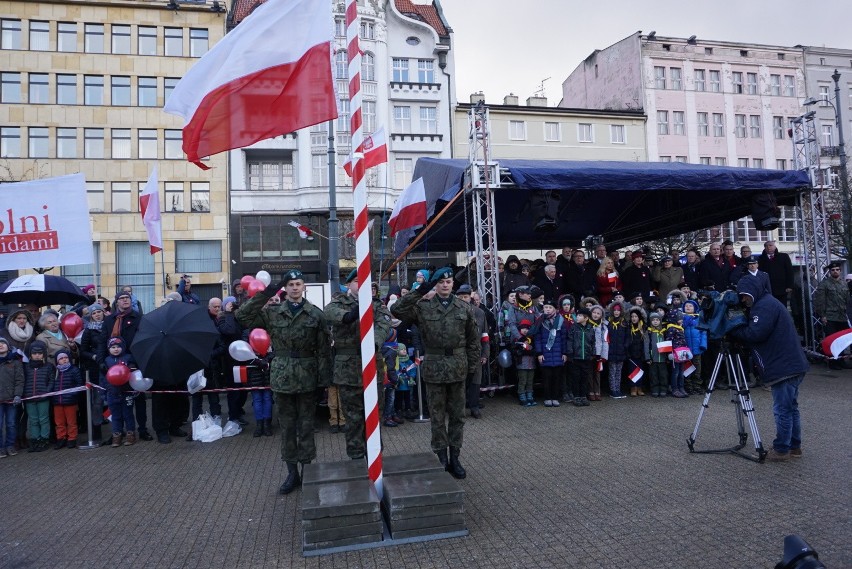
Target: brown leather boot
131, 438
116, 440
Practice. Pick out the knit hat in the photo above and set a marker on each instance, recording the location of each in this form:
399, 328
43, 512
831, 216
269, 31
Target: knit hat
228, 299
5, 341
654, 316
96, 307
115, 341
121, 294
464, 289
87, 288
525, 324
38, 347
62, 353
694, 305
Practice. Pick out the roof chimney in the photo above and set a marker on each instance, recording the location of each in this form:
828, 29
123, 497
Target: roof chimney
536, 101
510, 99
477, 97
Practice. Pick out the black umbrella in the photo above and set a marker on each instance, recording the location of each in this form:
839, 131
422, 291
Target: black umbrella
40, 290
173, 342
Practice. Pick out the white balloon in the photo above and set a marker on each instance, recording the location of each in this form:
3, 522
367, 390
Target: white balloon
241, 351
140, 383
136, 374
264, 277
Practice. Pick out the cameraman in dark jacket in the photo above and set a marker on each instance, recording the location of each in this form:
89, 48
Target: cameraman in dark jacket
770, 332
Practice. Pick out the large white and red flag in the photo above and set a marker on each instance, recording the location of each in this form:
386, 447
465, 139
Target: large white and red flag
270, 76
410, 208
149, 207
375, 149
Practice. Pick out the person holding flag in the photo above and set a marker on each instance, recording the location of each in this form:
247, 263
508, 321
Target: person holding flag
637, 347
657, 355
696, 340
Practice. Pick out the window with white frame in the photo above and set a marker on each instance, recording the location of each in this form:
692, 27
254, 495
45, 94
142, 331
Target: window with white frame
662, 122
517, 130
368, 109
718, 125
10, 87
343, 122
146, 93
147, 40
199, 196
120, 143
789, 221
173, 144
676, 76
341, 65
403, 169
399, 70
66, 89
754, 126
780, 164
751, 83
775, 85
198, 256
681, 159
401, 119
93, 90
742, 162
340, 27
824, 92
174, 197
778, 128
121, 197
66, 37
319, 134
678, 126
38, 141
552, 132
585, 132
93, 143
740, 126
659, 77
39, 89
827, 138
789, 86
429, 120
39, 36
368, 67
319, 169
121, 39
721, 161
703, 125
93, 38
120, 95
174, 42
368, 30
700, 80
425, 71
147, 143
10, 34
757, 163
715, 81
199, 42
95, 196
66, 143
737, 81
268, 174
704, 160
665, 158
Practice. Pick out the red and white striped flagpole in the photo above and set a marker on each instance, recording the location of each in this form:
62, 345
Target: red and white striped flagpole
362, 253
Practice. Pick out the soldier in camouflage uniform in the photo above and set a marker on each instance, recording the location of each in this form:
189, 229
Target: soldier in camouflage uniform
342, 315
302, 363
451, 342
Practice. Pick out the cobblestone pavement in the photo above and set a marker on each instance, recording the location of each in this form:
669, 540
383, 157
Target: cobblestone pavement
611, 485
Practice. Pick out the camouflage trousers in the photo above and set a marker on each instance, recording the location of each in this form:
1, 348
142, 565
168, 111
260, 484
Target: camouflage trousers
296, 413
335, 413
446, 408
352, 403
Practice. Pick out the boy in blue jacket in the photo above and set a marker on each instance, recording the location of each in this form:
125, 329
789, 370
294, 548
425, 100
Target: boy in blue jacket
65, 405
696, 339
550, 348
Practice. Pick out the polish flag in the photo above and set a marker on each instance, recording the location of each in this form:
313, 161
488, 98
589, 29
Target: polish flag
304, 232
600, 366
149, 206
664, 347
375, 149
240, 374
351, 234
636, 375
410, 208
688, 369
834, 344
484, 337
270, 76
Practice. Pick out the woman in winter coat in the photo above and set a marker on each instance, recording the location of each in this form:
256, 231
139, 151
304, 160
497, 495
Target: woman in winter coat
551, 348
54, 338
637, 345
19, 330
667, 276
93, 336
607, 281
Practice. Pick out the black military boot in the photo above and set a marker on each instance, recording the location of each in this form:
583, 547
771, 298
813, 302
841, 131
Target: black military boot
267, 428
442, 457
293, 480
455, 468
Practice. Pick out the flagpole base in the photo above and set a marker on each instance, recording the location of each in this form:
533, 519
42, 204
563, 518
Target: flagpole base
88, 446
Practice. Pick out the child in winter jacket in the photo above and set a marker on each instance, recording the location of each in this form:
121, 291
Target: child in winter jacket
11, 390
389, 353
637, 348
696, 339
674, 334
257, 375
550, 349
65, 405
524, 353
601, 350
120, 398
657, 360
38, 380
619, 338
580, 350
406, 373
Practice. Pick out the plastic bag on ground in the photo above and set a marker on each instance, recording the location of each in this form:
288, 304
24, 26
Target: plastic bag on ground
232, 428
206, 429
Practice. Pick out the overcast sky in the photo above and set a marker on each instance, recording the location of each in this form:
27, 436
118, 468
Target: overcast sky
504, 46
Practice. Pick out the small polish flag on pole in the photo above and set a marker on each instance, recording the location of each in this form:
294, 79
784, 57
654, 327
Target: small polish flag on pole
304, 232
636, 375
688, 369
664, 347
600, 365
240, 374
375, 150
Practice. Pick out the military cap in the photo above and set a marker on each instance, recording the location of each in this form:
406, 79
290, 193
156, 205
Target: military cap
442, 273
750, 259
292, 275
351, 276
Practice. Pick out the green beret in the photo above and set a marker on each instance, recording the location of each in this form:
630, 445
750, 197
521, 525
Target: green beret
351, 276
292, 275
442, 273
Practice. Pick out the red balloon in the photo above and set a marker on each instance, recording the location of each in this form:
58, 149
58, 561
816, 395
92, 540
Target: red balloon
246, 281
71, 325
255, 287
259, 341
118, 375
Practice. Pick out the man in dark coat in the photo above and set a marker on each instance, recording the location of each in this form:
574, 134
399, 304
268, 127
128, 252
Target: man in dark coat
779, 267
549, 282
691, 270
637, 277
579, 278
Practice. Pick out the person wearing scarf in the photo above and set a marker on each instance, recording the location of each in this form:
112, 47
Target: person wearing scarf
89, 363
19, 331
53, 337
550, 347
601, 349
637, 346
619, 338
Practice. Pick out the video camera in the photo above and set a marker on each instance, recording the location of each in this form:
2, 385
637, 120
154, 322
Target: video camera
721, 312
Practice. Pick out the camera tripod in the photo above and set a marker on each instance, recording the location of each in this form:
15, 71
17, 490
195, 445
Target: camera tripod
741, 397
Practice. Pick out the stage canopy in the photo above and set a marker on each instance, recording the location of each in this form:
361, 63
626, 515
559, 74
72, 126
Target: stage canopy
625, 202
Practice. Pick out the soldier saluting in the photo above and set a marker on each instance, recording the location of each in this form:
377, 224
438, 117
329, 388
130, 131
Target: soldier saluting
302, 361
451, 342
342, 315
